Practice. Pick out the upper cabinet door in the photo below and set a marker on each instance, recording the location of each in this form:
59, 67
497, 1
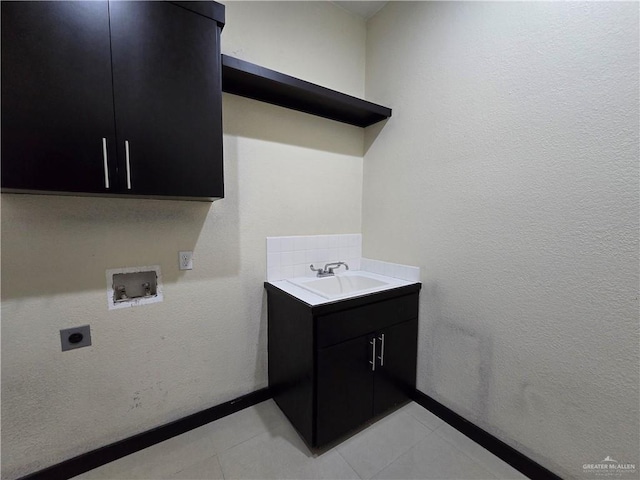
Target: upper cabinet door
167, 88
57, 100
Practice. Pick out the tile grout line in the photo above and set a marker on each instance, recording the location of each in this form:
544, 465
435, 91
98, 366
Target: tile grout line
220, 465
478, 462
217, 453
402, 453
494, 477
433, 432
422, 423
350, 466
195, 463
276, 430
266, 430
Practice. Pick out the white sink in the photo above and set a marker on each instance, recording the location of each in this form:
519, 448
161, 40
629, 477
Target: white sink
341, 285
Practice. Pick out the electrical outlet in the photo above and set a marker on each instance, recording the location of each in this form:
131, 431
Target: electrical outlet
75, 337
185, 260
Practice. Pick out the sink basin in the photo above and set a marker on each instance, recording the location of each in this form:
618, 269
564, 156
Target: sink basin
340, 285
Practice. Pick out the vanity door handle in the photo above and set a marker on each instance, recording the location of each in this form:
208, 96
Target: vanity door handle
106, 163
126, 157
373, 354
381, 357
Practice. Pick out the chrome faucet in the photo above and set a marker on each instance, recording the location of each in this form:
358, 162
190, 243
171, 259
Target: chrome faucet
328, 269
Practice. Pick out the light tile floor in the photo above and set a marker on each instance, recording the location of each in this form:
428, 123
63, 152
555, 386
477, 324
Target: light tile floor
260, 443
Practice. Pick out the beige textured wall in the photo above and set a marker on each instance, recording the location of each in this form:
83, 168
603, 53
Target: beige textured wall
509, 174
286, 173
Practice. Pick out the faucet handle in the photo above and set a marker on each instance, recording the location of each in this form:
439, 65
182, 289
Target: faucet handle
322, 272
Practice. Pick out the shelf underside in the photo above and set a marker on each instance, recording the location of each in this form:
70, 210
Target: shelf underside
259, 83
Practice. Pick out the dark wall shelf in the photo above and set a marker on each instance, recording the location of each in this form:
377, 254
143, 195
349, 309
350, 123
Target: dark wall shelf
259, 83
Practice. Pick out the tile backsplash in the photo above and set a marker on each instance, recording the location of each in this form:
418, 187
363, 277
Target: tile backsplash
289, 257
395, 270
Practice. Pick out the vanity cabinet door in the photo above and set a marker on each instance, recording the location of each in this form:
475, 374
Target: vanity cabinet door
168, 103
396, 370
344, 388
57, 98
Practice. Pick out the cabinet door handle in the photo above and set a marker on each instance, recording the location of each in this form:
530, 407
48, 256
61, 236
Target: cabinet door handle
126, 157
105, 161
373, 354
381, 357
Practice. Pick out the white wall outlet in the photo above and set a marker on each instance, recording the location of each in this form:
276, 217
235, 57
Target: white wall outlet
185, 260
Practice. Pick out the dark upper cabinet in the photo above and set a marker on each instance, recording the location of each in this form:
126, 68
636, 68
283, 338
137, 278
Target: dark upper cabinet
129, 102
57, 97
167, 90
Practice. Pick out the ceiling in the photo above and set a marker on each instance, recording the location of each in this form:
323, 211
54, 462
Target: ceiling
365, 9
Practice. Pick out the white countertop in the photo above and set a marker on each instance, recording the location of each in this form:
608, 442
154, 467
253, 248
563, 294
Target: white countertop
313, 299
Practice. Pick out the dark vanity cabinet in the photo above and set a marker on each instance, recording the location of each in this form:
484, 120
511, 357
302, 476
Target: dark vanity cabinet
112, 98
333, 367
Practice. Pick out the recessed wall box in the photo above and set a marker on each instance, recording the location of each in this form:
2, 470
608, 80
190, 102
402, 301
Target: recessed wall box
131, 286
